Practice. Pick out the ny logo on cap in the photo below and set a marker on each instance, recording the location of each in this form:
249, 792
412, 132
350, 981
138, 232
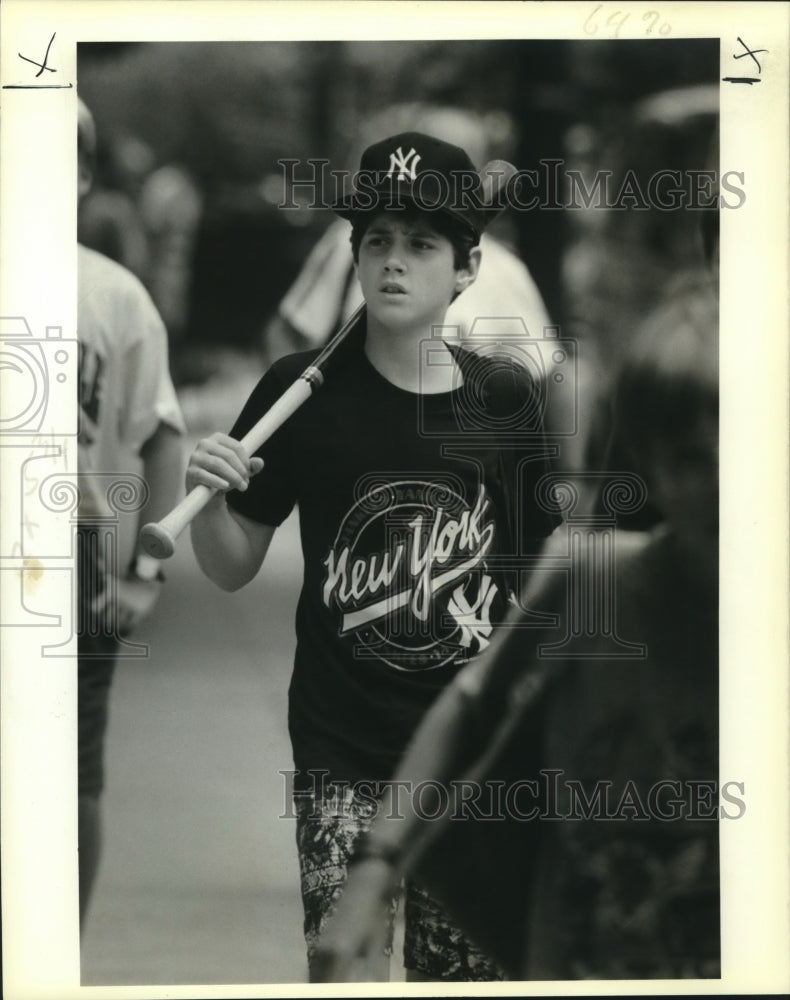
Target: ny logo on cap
400, 163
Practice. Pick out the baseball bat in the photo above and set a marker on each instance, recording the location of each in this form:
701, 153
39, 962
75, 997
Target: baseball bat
159, 538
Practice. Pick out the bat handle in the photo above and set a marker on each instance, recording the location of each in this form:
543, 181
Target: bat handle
158, 539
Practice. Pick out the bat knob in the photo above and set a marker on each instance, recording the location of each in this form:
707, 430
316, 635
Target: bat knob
157, 541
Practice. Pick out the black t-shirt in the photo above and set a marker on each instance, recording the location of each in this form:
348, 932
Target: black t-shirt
403, 520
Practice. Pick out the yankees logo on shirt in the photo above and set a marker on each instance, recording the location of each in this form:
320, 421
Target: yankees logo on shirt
407, 574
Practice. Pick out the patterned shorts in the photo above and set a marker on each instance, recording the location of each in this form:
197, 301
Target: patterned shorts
326, 832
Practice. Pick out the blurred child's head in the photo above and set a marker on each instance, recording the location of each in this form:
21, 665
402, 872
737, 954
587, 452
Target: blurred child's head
666, 411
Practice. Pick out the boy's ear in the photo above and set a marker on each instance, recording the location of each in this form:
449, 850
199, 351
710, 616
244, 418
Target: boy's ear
468, 275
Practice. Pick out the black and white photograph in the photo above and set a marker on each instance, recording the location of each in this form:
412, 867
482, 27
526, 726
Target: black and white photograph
394, 470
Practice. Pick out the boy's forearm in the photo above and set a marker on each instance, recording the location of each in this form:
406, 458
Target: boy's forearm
222, 547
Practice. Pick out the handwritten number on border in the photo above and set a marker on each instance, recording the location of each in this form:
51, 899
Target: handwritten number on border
617, 21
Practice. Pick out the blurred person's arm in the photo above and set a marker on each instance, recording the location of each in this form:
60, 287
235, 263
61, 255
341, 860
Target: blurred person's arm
229, 547
138, 590
162, 470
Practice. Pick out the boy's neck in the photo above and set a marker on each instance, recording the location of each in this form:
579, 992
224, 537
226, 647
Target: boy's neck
401, 357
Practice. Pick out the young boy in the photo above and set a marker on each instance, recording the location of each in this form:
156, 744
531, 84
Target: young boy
401, 523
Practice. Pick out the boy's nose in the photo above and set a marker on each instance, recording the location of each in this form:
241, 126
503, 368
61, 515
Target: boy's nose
394, 263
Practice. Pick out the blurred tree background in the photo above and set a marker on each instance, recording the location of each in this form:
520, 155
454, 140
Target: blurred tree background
191, 134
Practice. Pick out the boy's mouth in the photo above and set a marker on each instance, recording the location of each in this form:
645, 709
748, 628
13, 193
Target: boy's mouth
391, 288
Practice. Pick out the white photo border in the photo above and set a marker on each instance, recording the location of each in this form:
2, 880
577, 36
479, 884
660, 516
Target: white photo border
38, 212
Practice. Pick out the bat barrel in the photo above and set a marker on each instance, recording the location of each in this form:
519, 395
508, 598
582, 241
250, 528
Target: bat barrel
158, 539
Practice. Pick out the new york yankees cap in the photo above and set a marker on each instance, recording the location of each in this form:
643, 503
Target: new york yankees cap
416, 169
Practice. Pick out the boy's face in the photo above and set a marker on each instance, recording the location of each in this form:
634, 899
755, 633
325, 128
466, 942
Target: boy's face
407, 271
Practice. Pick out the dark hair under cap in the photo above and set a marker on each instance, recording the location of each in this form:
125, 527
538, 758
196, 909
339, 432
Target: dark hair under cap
461, 237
